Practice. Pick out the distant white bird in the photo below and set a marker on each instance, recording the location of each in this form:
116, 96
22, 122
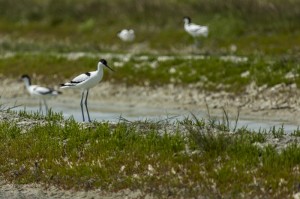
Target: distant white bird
126, 35
41, 92
85, 81
194, 29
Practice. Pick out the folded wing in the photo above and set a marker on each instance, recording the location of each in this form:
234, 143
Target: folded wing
197, 30
77, 80
39, 90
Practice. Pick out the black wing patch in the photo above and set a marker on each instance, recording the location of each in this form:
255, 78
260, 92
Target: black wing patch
45, 92
77, 82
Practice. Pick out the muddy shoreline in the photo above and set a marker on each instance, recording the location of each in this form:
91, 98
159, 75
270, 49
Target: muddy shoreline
278, 103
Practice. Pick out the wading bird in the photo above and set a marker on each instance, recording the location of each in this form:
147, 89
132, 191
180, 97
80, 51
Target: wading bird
41, 92
126, 35
195, 30
85, 81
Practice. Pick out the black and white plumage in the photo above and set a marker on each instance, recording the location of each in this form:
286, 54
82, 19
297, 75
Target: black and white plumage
126, 35
39, 91
85, 81
194, 30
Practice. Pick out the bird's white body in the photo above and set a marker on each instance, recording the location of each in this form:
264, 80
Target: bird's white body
194, 29
85, 81
126, 35
39, 91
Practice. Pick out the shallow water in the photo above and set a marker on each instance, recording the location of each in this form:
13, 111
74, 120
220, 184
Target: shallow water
114, 112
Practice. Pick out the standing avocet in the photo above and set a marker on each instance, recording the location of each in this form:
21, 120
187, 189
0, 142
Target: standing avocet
41, 92
126, 35
85, 81
194, 30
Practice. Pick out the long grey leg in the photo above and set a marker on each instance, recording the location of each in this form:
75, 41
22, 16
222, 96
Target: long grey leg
81, 105
40, 104
87, 110
197, 42
46, 106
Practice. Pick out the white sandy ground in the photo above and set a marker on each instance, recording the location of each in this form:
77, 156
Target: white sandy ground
37, 191
279, 103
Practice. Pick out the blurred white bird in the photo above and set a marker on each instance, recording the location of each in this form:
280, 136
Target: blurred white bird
41, 92
194, 29
126, 35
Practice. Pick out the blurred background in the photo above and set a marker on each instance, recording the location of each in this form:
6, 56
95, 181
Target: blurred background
252, 46
250, 26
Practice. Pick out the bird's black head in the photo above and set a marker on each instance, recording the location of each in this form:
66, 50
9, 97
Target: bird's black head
188, 19
26, 77
104, 62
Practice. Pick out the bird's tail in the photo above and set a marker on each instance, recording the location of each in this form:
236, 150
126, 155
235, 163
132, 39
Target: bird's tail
67, 85
55, 92
64, 85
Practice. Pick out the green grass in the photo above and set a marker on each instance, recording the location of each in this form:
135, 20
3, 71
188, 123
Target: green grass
204, 160
211, 73
296, 133
50, 117
137, 155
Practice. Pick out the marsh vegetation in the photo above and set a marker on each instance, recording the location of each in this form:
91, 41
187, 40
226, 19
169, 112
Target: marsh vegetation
185, 158
250, 42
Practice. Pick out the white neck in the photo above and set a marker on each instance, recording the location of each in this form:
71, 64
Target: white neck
26, 81
186, 22
100, 69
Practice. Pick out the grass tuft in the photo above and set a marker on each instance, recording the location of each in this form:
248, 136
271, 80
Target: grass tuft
186, 158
